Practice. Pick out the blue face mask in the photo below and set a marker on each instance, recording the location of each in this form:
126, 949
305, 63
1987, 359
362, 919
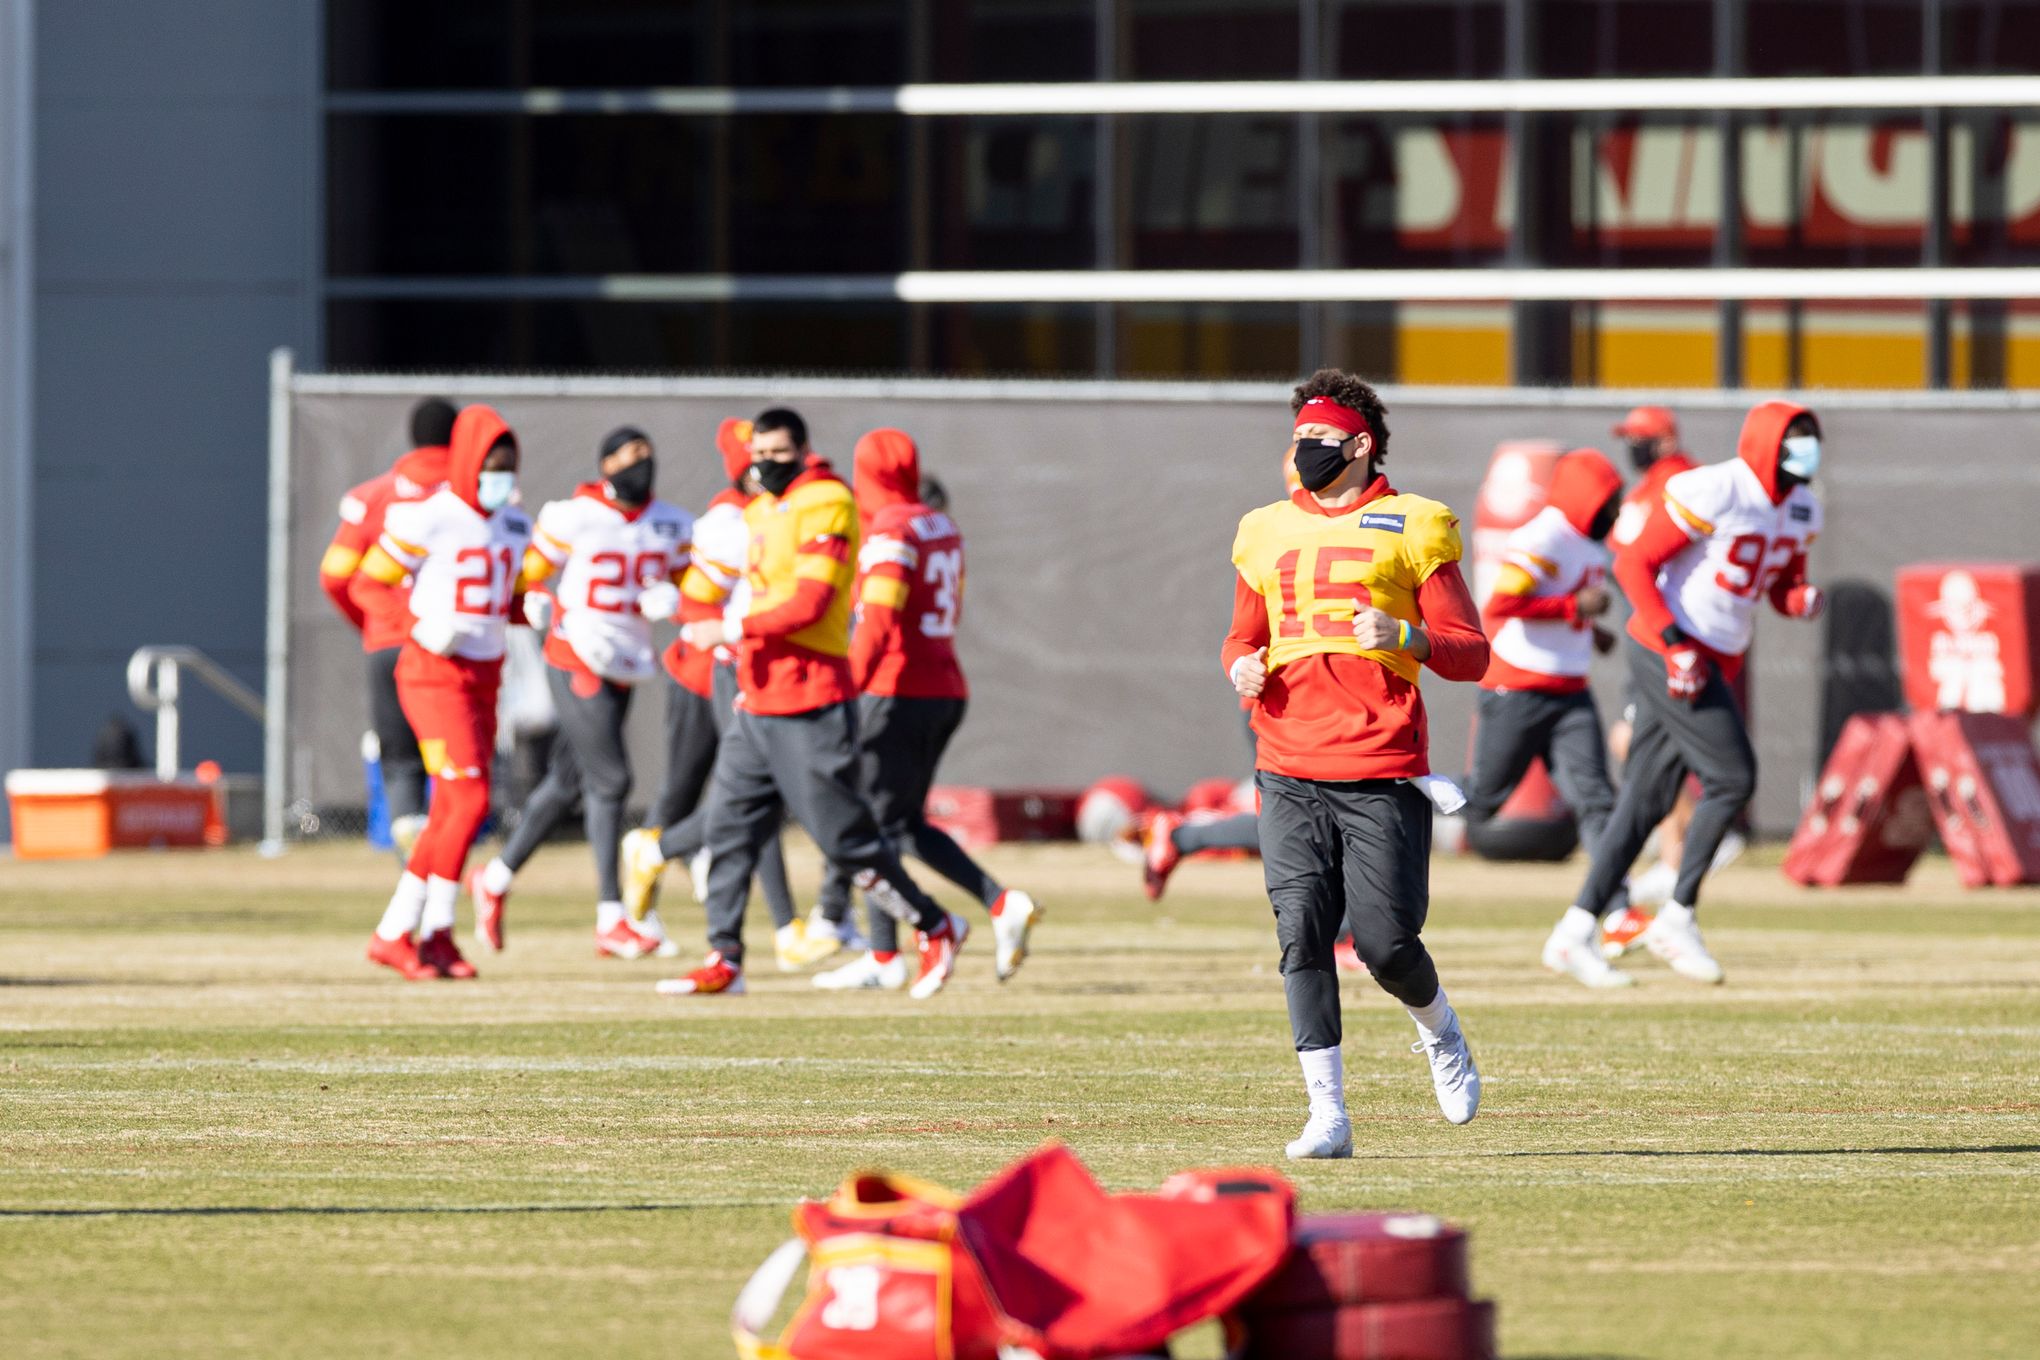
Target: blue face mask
1801, 457
494, 490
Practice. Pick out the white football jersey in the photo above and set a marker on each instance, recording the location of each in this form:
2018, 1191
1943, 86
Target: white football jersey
722, 552
463, 566
605, 555
1741, 542
1561, 560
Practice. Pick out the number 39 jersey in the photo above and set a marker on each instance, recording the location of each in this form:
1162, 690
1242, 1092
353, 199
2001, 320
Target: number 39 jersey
913, 564
1741, 543
463, 564
605, 555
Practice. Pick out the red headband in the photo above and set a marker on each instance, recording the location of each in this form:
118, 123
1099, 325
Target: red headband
1325, 411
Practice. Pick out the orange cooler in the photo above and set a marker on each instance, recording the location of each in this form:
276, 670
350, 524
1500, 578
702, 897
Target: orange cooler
79, 814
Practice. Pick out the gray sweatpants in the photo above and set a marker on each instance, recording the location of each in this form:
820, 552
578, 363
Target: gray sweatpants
805, 763
1671, 739
589, 754
1564, 731
1355, 853
683, 839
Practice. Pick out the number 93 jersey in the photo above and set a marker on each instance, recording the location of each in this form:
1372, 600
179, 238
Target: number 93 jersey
463, 564
1742, 543
606, 554
1314, 569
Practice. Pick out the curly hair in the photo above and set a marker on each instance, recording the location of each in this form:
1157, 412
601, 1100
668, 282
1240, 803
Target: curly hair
1347, 389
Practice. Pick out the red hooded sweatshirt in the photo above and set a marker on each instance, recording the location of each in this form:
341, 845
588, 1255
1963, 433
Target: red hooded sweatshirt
1549, 650
377, 610
910, 592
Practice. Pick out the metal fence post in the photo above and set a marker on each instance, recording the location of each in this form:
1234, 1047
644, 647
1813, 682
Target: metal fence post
276, 659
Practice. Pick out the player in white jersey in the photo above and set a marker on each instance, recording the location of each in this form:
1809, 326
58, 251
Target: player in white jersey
1721, 537
615, 554
462, 547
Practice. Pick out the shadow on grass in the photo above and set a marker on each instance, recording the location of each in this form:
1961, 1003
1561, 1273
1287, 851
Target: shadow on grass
312, 1210
1992, 1149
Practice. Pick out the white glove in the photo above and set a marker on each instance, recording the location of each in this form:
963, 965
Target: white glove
597, 653
1443, 793
436, 634
538, 608
659, 600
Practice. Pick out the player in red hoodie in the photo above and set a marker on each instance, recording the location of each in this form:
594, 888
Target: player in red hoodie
1345, 591
903, 663
378, 611
462, 549
1719, 538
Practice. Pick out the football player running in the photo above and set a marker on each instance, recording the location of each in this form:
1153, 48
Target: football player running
378, 611
461, 548
1720, 537
903, 661
1344, 592
617, 552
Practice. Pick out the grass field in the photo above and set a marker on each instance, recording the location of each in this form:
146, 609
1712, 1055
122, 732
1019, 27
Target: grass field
223, 1134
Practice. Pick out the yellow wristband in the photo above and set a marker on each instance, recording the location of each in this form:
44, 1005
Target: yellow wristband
1402, 635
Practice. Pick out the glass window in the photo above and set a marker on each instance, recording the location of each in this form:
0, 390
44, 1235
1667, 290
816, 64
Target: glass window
405, 333
1012, 193
513, 195
1209, 340
1210, 192
817, 194
1209, 39
1578, 38
1012, 40
988, 340
1832, 37
1834, 190
505, 44
819, 42
1645, 191
1416, 39
1990, 37
1452, 344
1407, 194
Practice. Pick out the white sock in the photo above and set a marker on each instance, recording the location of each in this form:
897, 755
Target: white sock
1672, 914
440, 896
1324, 1076
1579, 924
652, 928
497, 876
1434, 1019
407, 904
607, 915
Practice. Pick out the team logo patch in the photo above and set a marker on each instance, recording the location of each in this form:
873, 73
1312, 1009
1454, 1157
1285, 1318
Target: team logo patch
1802, 513
1390, 523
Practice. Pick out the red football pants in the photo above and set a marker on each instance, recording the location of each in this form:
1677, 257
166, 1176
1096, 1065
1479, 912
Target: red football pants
451, 703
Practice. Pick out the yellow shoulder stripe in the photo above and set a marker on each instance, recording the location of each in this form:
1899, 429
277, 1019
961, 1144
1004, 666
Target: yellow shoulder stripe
1693, 522
339, 560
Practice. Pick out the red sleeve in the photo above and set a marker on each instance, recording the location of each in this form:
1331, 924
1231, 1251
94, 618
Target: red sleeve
336, 587
876, 625
1637, 565
1459, 649
1249, 630
1501, 606
1787, 597
811, 600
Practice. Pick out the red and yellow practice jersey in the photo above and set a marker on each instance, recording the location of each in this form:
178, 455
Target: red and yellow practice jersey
803, 548
913, 575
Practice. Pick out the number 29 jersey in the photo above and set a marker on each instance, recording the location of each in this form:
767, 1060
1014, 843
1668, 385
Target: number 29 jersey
464, 566
1742, 542
606, 554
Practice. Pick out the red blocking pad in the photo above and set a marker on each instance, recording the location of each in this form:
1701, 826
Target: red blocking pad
1338, 1259
1869, 818
1984, 782
1426, 1329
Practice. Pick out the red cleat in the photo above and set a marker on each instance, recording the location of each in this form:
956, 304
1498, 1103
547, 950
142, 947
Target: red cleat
716, 975
1623, 931
400, 954
938, 957
1162, 856
621, 942
438, 952
488, 912
1347, 957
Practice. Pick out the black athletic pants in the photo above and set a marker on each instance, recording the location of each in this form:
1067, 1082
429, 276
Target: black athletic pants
684, 839
588, 754
1354, 853
1518, 726
403, 769
1669, 740
805, 763
691, 736
899, 745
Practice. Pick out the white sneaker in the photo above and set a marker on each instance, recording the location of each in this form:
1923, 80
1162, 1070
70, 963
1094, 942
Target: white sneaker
652, 928
1324, 1136
1581, 960
844, 932
1653, 887
1728, 852
1675, 938
1453, 1075
697, 875
865, 971
1010, 929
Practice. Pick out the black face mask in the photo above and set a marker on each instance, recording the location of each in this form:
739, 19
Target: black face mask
1319, 462
1642, 452
775, 476
631, 485
1604, 522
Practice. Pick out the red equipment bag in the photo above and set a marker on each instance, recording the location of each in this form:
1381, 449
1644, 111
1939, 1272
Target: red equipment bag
1869, 818
1338, 1259
1039, 1257
1984, 782
1422, 1329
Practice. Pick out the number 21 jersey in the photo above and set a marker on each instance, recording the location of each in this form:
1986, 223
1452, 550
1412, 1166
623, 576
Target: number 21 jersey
463, 564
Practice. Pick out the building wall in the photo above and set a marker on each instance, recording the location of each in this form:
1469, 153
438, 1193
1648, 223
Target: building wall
175, 202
